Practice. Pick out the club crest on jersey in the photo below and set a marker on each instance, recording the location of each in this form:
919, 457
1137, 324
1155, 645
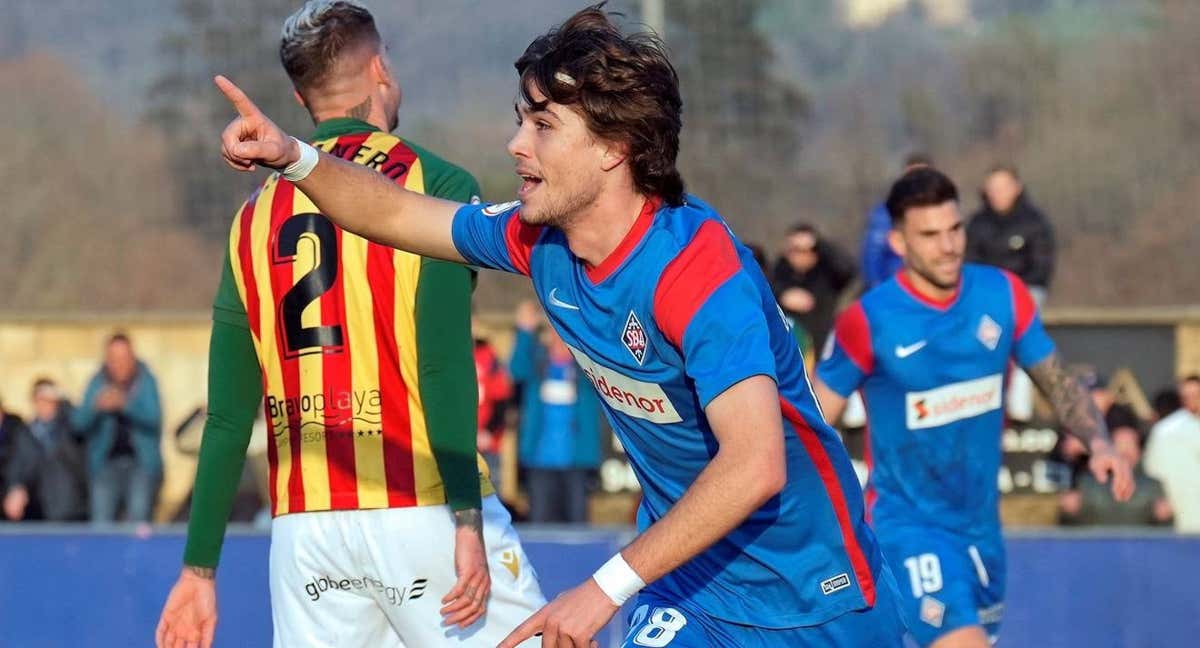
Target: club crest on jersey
989, 332
634, 338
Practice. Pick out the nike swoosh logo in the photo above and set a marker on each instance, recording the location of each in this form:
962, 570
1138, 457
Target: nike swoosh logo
555, 301
905, 351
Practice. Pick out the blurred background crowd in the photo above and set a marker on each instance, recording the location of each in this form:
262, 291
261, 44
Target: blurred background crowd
99, 458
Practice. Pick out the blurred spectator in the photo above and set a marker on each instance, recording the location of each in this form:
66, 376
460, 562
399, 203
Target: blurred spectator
803, 339
559, 435
879, 261
1070, 450
44, 475
495, 388
121, 420
1165, 402
1009, 232
1091, 503
11, 429
808, 279
1173, 456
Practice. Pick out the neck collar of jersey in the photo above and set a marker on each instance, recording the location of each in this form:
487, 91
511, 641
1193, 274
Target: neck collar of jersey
339, 126
939, 304
634, 236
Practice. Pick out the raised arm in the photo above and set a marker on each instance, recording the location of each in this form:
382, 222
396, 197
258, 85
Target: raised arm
354, 197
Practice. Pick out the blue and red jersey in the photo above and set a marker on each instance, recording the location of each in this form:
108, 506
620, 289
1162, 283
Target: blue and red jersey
933, 375
676, 315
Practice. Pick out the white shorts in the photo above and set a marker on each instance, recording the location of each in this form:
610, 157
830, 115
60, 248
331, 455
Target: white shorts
343, 579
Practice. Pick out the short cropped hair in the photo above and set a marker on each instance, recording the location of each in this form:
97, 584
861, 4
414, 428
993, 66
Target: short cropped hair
318, 33
920, 187
624, 86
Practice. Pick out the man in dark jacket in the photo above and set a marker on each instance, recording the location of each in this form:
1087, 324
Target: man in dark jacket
809, 278
1009, 232
121, 419
44, 474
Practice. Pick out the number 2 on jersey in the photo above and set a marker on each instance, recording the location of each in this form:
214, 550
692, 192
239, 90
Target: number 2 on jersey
316, 282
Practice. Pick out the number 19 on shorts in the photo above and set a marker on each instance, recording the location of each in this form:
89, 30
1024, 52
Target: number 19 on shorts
924, 574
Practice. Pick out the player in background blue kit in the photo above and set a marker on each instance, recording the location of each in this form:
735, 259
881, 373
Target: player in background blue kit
753, 529
930, 350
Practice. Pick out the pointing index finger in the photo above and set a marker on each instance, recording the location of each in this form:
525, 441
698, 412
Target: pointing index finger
234, 94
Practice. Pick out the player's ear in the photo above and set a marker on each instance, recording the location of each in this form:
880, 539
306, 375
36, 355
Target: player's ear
381, 73
299, 98
896, 240
614, 154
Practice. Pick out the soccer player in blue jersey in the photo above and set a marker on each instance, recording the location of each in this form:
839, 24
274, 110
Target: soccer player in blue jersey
930, 350
752, 527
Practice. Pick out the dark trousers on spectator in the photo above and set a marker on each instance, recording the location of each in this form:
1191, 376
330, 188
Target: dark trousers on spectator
558, 495
123, 482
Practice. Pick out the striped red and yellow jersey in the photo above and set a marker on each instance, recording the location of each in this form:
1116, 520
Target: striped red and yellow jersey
332, 317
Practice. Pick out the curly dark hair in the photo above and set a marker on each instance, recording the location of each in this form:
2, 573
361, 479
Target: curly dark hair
623, 85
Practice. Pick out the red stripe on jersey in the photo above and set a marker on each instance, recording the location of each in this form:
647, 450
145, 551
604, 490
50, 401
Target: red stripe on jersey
348, 146
632, 238
706, 263
520, 239
853, 333
400, 159
396, 425
1024, 308
282, 280
246, 259
833, 488
253, 317
336, 378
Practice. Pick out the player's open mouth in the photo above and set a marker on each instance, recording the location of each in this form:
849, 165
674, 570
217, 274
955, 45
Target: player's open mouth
528, 184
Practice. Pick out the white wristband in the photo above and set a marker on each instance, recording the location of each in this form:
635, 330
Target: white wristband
299, 170
618, 580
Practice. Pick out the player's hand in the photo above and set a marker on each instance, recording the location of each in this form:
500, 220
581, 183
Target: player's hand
189, 617
1105, 460
569, 621
467, 600
15, 502
251, 138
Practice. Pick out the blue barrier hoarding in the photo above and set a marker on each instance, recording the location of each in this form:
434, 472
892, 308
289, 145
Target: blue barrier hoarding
65, 587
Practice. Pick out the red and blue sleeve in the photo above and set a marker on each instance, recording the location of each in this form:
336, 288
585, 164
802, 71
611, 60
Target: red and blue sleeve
1031, 343
493, 236
849, 355
711, 311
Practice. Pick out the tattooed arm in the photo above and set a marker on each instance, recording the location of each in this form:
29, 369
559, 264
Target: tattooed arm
1072, 403
1080, 416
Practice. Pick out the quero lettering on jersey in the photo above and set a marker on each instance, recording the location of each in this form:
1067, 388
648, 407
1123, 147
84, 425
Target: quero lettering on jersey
635, 398
953, 402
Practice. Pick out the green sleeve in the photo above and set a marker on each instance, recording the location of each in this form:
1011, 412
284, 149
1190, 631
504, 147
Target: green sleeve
234, 398
446, 370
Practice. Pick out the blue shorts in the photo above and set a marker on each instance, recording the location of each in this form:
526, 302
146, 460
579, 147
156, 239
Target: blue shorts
659, 623
947, 581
